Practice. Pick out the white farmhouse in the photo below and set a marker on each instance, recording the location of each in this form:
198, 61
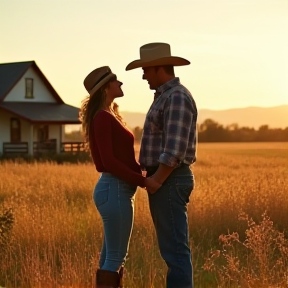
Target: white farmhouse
32, 114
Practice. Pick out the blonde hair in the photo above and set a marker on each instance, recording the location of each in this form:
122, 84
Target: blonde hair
90, 106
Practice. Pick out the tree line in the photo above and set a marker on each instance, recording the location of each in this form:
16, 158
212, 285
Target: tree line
212, 131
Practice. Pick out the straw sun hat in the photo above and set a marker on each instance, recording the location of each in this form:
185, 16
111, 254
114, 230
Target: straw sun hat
97, 78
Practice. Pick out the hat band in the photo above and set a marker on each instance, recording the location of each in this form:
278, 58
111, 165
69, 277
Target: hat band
100, 79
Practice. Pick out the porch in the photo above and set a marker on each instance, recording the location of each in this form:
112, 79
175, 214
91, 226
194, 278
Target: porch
36, 129
41, 148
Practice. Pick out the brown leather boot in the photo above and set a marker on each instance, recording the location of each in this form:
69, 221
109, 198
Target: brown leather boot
121, 273
107, 279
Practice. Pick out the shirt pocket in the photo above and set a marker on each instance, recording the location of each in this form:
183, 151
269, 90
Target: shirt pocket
101, 194
155, 121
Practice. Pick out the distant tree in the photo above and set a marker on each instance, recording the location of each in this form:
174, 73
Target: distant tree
137, 131
233, 127
211, 131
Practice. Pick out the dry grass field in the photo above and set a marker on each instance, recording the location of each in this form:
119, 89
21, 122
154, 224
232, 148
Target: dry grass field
238, 215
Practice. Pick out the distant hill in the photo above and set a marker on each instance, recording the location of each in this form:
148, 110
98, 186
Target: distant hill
274, 117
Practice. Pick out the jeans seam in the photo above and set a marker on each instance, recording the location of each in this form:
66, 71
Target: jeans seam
120, 213
172, 217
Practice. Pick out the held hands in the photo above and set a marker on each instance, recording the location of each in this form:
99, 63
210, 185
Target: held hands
152, 185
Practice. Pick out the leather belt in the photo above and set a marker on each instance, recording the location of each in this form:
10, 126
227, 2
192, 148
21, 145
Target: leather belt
152, 169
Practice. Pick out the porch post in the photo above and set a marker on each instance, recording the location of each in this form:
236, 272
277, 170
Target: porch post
58, 144
30, 142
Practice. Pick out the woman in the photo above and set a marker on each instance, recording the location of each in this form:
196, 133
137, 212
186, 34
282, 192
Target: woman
111, 146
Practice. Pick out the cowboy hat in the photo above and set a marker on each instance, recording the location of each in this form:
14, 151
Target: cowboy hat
97, 78
156, 54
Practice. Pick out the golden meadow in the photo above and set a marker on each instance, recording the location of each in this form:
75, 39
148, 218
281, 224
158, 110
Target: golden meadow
238, 219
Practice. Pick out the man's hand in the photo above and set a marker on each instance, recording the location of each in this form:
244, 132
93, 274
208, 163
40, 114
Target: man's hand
162, 173
152, 185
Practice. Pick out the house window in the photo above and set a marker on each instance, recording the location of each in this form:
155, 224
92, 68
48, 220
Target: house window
29, 88
15, 130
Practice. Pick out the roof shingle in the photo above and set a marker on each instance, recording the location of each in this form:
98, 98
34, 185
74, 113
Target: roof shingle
43, 112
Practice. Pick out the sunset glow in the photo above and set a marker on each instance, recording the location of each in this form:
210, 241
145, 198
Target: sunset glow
237, 48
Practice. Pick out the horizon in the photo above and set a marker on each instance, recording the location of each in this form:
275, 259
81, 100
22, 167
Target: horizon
218, 110
231, 108
236, 48
274, 119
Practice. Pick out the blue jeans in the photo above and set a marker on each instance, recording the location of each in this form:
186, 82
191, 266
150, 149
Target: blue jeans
168, 207
114, 199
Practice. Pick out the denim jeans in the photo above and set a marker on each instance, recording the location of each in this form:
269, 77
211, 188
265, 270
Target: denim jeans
168, 207
114, 199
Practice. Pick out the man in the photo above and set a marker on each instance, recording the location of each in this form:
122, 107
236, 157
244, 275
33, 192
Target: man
168, 148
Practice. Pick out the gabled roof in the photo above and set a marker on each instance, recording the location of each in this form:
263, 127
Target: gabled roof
11, 73
45, 113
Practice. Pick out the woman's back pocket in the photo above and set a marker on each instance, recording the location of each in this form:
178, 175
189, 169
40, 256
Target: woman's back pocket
101, 194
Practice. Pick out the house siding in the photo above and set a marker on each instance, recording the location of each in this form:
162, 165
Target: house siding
40, 92
55, 132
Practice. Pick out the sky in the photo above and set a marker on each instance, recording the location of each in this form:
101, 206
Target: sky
238, 49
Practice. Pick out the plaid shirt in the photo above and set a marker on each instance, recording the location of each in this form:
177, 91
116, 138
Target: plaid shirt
169, 134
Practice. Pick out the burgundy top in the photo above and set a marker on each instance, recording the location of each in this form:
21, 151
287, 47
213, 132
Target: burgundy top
113, 149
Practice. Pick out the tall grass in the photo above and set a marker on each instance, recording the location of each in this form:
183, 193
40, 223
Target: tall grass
57, 233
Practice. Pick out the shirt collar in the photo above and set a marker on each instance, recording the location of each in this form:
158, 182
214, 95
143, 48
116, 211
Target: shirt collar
166, 86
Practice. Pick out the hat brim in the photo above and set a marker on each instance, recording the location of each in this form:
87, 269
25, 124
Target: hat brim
172, 60
101, 83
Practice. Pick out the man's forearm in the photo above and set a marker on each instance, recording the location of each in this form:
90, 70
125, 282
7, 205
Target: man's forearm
162, 173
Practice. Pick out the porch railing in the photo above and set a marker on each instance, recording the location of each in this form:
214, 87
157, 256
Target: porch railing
15, 148
71, 147
44, 147
21, 148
